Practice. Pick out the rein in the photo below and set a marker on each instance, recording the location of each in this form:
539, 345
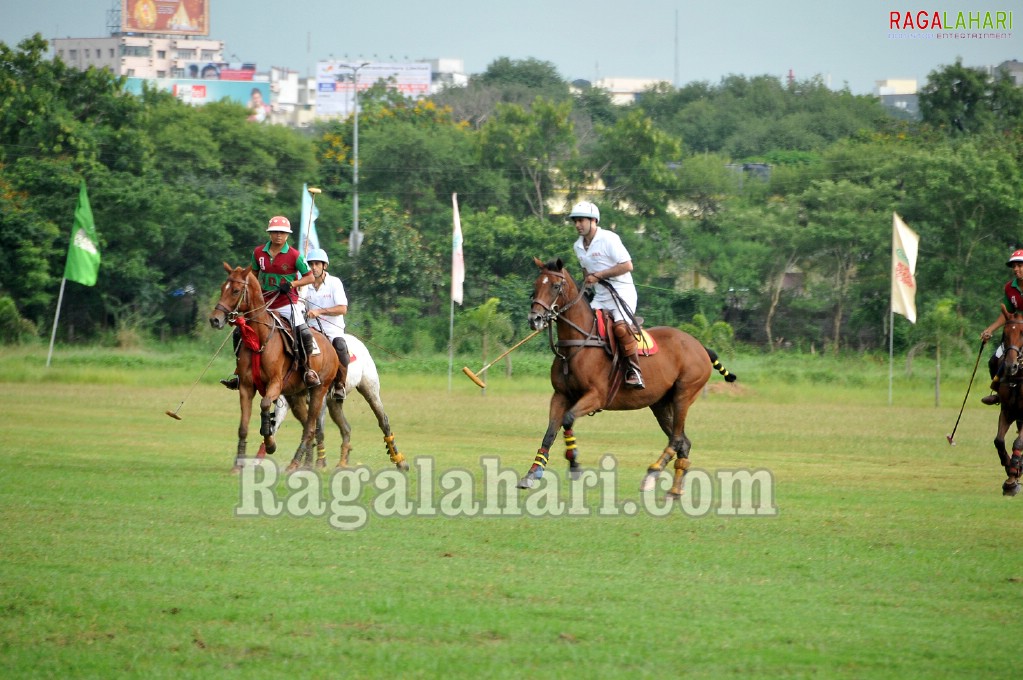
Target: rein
555, 315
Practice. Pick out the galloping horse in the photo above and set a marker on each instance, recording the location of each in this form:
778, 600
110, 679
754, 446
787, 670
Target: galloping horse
241, 303
585, 378
1010, 395
364, 378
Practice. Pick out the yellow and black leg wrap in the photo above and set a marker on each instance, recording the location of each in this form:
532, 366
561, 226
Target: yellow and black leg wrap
681, 466
540, 462
570, 448
662, 461
392, 450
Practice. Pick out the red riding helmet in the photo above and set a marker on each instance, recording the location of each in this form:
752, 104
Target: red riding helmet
1017, 256
279, 223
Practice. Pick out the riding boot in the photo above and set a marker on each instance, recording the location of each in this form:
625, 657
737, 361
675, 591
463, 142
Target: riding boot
311, 350
232, 382
344, 357
993, 398
630, 348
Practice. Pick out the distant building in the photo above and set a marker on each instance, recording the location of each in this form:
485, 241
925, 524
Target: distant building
625, 91
447, 73
143, 56
898, 95
1014, 69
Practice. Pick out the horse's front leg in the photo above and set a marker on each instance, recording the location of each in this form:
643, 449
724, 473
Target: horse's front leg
267, 414
245, 394
1011, 485
560, 417
1013, 465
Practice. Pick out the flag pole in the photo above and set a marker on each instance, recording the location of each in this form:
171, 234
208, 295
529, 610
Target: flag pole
891, 351
451, 343
56, 318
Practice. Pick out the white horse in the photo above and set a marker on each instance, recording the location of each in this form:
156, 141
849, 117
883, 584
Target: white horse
363, 377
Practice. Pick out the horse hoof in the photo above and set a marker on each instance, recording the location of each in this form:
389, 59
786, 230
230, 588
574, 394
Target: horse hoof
1010, 489
321, 463
574, 473
649, 482
402, 465
671, 496
526, 482
292, 466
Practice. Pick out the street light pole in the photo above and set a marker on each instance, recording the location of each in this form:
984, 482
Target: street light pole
355, 156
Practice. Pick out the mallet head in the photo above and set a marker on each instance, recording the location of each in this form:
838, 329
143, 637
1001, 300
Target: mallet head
473, 377
173, 414
314, 190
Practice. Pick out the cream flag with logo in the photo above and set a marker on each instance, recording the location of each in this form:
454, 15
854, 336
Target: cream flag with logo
905, 243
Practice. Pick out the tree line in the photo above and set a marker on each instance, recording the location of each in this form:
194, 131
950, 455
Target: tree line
761, 204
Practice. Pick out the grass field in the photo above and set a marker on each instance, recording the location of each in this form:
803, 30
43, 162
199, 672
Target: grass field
889, 554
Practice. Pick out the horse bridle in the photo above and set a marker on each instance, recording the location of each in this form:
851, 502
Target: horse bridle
233, 314
554, 312
1014, 348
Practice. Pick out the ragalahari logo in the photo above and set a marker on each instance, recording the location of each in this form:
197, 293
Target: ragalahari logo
936, 24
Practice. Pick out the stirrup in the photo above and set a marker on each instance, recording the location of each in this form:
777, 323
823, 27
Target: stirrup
339, 392
634, 379
231, 383
311, 378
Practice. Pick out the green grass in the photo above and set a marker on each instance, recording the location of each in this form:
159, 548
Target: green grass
892, 554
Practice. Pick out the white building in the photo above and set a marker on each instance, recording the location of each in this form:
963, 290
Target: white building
140, 56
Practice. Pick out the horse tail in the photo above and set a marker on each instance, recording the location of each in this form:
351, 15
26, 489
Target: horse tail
729, 376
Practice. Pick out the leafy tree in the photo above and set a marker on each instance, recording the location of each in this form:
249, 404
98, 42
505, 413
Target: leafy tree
637, 163
539, 78
717, 334
528, 146
842, 240
963, 100
392, 263
488, 324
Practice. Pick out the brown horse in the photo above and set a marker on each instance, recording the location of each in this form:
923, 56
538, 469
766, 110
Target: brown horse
586, 379
241, 304
1010, 396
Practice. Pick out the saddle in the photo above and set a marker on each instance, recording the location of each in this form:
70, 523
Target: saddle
647, 345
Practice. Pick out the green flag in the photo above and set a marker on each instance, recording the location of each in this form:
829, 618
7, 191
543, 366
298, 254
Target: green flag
83, 251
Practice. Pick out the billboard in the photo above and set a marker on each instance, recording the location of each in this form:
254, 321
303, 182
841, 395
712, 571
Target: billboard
182, 17
219, 70
335, 83
255, 95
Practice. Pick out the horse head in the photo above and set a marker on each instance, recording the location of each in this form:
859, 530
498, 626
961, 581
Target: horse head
1013, 342
236, 296
554, 291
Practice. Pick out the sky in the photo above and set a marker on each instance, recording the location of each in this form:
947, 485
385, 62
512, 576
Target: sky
680, 41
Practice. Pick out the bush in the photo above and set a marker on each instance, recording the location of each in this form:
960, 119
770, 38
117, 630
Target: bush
13, 328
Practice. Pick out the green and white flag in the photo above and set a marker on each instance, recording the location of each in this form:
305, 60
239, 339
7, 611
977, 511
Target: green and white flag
83, 250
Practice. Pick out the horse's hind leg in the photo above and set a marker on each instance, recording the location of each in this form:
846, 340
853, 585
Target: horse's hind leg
665, 414
337, 414
671, 416
371, 392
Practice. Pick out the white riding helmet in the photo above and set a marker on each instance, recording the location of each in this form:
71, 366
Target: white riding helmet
318, 255
279, 223
585, 209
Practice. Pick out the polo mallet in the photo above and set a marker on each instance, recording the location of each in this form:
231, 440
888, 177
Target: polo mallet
309, 218
478, 380
950, 439
174, 414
